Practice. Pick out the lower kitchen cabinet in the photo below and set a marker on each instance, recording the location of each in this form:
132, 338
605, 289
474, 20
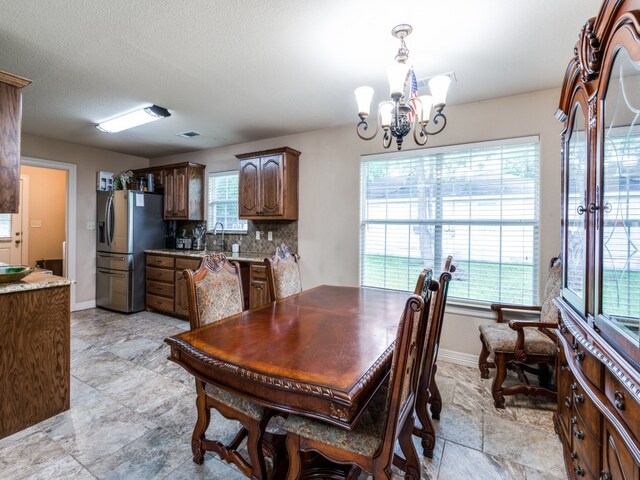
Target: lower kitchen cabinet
166, 288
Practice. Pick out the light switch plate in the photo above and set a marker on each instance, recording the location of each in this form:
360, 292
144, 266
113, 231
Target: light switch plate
91, 225
36, 223
270, 236
258, 235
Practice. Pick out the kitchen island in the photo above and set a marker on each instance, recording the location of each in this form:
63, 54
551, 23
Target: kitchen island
34, 350
166, 288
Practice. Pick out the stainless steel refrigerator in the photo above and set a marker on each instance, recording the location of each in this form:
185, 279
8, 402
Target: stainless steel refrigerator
128, 223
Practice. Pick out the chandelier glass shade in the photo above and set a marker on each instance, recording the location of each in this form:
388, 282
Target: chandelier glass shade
406, 111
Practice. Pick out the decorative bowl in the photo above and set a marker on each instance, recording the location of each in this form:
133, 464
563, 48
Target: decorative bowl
13, 273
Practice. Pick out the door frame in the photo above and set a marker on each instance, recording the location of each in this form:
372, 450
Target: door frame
69, 260
24, 218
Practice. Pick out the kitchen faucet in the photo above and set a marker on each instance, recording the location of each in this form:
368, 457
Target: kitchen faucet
215, 232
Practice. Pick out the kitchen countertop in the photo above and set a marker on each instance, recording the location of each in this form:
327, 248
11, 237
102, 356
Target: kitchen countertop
34, 281
240, 257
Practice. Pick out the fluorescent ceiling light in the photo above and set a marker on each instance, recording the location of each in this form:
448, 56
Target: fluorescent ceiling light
133, 119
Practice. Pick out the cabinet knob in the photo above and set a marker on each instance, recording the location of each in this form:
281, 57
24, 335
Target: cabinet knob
574, 420
579, 434
604, 475
579, 471
579, 398
567, 402
574, 386
619, 400
579, 356
573, 455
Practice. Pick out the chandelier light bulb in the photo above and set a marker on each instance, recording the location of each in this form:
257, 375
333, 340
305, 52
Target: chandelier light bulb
364, 95
439, 86
386, 112
397, 74
426, 101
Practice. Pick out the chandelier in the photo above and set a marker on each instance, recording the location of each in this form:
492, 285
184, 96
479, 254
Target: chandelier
406, 111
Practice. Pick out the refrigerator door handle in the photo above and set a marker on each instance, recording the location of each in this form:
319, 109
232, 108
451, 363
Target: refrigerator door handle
121, 275
109, 219
122, 259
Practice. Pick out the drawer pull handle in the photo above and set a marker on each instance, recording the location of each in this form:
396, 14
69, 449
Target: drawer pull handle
578, 434
604, 475
579, 356
579, 471
619, 403
567, 402
579, 398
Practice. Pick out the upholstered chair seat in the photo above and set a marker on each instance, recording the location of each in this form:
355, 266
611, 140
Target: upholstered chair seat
501, 338
237, 403
365, 439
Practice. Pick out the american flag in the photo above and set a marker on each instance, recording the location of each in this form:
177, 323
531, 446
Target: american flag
413, 93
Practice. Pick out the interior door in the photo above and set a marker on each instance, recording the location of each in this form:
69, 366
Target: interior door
11, 234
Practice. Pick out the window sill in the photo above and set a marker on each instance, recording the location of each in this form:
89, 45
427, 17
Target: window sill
482, 310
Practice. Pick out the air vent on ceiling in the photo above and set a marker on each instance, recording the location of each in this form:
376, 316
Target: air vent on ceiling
189, 134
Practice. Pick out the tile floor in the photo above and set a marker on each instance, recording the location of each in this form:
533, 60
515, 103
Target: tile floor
133, 411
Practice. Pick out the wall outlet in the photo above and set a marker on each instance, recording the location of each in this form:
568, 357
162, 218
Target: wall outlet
91, 225
36, 223
270, 236
258, 235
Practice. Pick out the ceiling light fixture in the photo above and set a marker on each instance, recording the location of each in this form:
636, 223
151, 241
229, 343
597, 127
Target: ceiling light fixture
133, 119
406, 110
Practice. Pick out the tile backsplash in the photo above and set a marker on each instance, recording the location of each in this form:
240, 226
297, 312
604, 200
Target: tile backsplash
282, 231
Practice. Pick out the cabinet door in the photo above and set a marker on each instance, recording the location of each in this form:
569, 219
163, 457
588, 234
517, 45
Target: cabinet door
618, 202
181, 299
271, 178
249, 194
181, 193
618, 463
10, 114
169, 194
576, 213
259, 294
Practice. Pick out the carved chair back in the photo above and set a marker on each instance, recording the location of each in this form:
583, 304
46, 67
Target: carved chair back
214, 290
425, 287
401, 396
434, 324
283, 273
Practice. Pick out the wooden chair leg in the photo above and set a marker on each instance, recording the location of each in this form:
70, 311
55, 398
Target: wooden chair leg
482, 361
412, 462
254, 448
496, 386
295, 462
202, 423
435, 400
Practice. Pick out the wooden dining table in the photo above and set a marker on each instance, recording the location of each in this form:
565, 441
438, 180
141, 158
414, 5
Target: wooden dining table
322, 353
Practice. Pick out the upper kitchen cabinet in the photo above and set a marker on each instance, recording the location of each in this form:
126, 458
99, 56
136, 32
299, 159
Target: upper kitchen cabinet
10, 123
183, 191
269, 185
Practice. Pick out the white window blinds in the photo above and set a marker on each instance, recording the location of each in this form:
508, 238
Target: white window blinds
476, 202
5, 225
223, 202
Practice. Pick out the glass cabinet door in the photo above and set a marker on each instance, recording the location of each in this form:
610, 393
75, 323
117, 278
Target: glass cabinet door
619, 200
575, 232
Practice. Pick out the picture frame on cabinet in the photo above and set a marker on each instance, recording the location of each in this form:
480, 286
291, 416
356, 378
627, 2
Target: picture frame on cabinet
104, 181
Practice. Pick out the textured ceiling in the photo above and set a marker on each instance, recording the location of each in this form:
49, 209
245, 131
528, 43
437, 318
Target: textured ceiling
244, 70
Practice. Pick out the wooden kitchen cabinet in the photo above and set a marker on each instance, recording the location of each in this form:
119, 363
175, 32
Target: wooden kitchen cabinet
258, 288
183, 191
166, 289
10, 126
268, 185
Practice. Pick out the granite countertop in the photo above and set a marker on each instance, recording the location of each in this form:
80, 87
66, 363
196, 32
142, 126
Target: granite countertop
240, 257
34, 281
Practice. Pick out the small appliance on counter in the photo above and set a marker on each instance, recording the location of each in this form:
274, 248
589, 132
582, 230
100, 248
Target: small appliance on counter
183, 242
198, 237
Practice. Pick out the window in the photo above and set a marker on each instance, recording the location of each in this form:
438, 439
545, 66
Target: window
476, 202
5, 225
223, 202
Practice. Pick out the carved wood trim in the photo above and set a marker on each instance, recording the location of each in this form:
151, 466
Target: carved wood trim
14, 80
277, 382
588, 52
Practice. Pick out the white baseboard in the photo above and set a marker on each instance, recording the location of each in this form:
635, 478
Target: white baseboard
83, 305
458, 358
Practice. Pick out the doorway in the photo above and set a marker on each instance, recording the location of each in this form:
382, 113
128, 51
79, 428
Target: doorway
62, 220
14, 231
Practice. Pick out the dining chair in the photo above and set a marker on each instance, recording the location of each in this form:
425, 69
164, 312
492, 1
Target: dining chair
215, 292
428, 392
283, 273
523, 346
387, 418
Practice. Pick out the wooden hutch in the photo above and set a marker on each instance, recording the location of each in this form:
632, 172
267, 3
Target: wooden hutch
598, 416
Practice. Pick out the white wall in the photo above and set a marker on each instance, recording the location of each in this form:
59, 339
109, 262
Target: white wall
330, 181
88, 161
